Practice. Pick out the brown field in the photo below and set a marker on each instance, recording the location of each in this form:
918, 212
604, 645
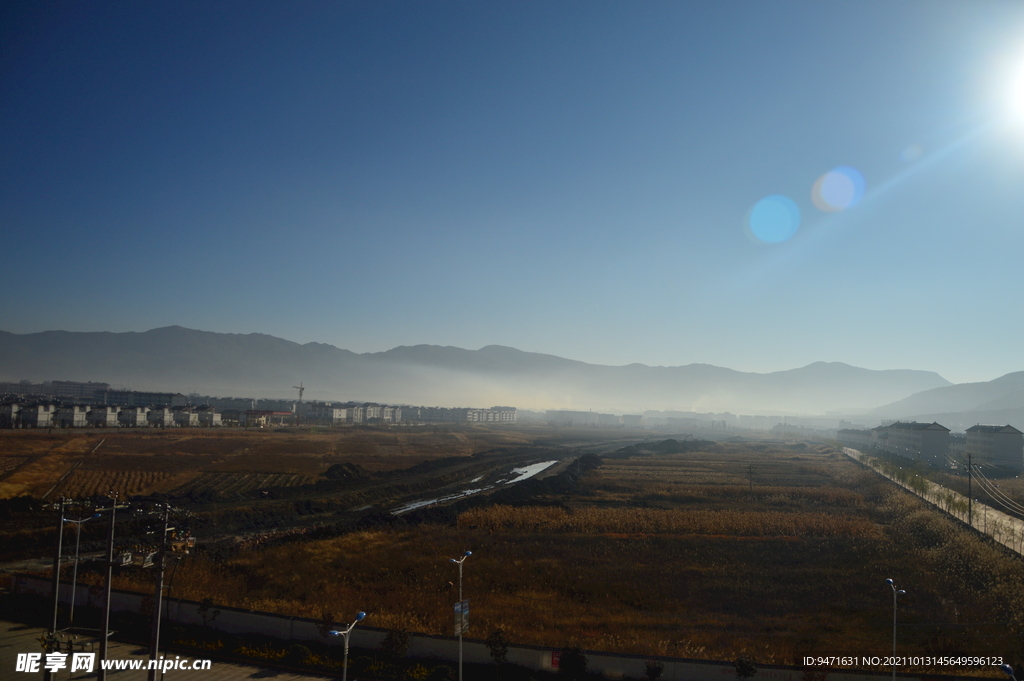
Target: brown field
85, 483
238, 483
694, 554
32, 462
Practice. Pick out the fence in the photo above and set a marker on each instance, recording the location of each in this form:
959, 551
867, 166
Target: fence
610, 665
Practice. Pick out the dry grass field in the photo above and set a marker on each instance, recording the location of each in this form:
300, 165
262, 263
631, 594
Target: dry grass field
141, 461
772, 551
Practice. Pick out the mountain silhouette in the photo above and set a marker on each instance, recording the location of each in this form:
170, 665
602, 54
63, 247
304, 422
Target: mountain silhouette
225, 364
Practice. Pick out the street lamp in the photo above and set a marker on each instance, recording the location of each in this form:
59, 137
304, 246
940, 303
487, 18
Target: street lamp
895, 593
74, 578
1008, 670
345, 634
462, 604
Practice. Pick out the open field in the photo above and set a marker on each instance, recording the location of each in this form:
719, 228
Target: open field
771, 551
238, 482
31, 461
774, 550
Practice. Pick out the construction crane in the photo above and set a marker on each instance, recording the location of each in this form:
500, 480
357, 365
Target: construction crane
298, 412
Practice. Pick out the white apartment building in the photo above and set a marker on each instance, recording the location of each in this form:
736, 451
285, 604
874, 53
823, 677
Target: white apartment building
103, 417
1000, 446
133, 417
492, 415
208, 417
185, 417
160, 418
72, 416
926, 442
9, 414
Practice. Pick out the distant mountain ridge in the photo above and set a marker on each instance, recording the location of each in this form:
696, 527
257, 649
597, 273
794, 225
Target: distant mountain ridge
186, 360
998, 402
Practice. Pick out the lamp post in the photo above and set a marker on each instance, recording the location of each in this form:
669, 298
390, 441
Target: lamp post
895, 593
345, 634
158, 595
462, 604
74, 577
56, 569
101, 674
1008, 670
51, 641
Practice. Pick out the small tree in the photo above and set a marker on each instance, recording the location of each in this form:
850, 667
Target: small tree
572, 663
326, 623
745, 667
207, 613
653, 669
497, 643
395, 643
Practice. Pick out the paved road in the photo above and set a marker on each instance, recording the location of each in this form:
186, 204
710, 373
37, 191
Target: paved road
1003, 528
18, 638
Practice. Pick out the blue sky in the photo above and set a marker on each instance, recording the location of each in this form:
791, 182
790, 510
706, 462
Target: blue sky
573, 178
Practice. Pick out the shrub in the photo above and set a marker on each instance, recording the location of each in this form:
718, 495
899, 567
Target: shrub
395, 643
442, 672
417, 672
298, 654
745, 667
573, 663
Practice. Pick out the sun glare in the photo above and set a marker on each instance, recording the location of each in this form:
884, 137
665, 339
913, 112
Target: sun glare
1013, 91
1016, 97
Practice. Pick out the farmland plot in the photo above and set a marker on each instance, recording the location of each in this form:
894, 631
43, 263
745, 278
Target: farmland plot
238, 485
82, 484
10, 463
775, 553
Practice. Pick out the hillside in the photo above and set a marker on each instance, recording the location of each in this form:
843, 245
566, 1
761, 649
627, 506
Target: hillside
186, 360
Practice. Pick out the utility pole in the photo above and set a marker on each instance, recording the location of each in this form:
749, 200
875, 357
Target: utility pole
970, 496
105, 624
750, 476
298, 413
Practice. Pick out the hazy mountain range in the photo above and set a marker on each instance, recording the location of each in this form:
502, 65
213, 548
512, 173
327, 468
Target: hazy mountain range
258, 365
999, 401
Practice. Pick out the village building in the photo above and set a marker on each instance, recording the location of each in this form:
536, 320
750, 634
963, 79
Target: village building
999, 446
103, 417
133, 417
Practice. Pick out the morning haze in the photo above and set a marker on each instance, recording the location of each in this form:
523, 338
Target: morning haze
692, 328
174, 358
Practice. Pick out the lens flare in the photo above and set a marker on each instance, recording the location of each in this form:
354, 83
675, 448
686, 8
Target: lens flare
774, 219
912, 153
838, 189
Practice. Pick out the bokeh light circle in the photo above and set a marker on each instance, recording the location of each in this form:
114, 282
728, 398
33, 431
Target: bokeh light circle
774, 219
912, 153
838, 189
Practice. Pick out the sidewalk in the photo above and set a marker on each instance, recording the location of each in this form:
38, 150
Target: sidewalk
18, 638
1003, 528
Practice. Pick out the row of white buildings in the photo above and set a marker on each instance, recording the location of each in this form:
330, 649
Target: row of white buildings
998, 446
51, 415
564, 417
45, 414
338, 413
